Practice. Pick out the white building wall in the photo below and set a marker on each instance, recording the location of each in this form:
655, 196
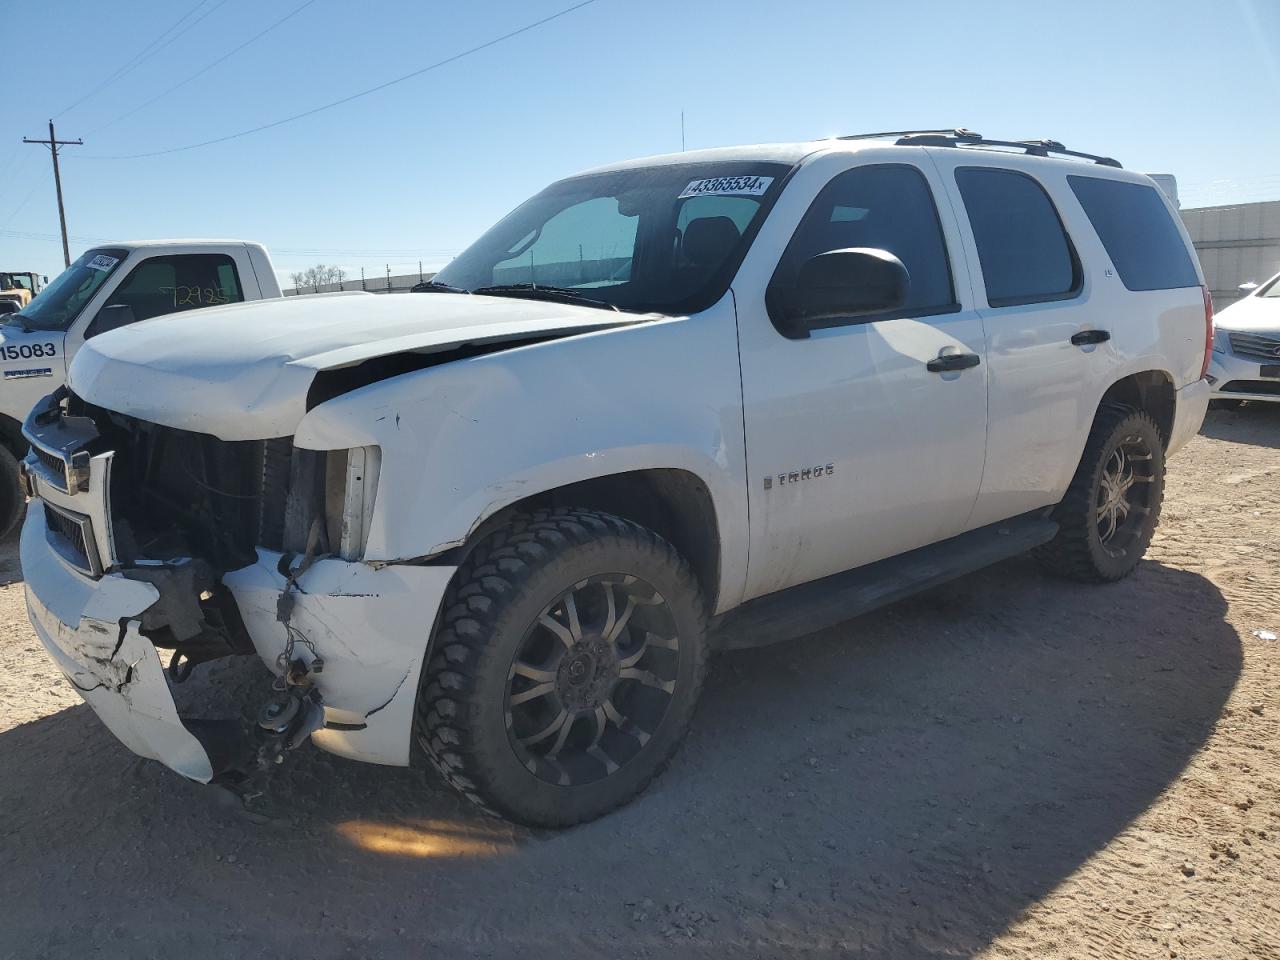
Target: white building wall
1236, 244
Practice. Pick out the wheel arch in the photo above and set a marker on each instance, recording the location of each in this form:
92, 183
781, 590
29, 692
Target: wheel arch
674, 503
1149, 390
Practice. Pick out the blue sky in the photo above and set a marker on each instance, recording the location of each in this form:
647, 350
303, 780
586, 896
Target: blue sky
418, 170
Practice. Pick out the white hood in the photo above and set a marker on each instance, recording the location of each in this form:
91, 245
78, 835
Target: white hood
1252, 314
242, 372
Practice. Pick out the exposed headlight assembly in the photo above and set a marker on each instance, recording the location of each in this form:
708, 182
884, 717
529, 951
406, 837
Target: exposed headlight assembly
350, 488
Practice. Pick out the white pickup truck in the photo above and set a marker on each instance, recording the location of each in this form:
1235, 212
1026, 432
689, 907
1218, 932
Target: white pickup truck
109, 286
706, 400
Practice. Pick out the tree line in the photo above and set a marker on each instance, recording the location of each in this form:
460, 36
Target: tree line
317, 276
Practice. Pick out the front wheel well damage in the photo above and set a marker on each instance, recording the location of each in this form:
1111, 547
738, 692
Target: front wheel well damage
1150, 390
675, 504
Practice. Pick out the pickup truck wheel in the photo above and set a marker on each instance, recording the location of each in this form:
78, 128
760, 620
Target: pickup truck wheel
12, 497
1112, 507
565, 667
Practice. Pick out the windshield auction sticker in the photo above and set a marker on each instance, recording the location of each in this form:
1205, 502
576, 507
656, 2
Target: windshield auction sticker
727, 186
102, 262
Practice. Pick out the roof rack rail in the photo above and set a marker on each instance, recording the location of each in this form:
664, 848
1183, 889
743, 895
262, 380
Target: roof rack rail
1035, 148
960, 137
940, 131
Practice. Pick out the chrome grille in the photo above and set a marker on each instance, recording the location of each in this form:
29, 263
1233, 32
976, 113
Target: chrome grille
1264, 347
70, 535
54, 464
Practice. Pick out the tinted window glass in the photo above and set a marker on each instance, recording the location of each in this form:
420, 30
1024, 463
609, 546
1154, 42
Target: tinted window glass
588, 244
1139, 234
885, 207
666, 238
1025, 254
177, 283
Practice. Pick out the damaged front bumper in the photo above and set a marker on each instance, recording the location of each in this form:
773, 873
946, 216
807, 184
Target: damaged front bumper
371, 625
91, 630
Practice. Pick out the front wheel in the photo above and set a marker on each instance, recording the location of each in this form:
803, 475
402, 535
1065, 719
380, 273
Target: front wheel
565, 667
1111, 509
13, 498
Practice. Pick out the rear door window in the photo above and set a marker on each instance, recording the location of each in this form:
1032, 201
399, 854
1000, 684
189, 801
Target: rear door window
1025, 253
173, 284
1138, 233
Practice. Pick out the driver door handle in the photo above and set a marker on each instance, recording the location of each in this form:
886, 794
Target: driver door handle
1085, 337
953, 361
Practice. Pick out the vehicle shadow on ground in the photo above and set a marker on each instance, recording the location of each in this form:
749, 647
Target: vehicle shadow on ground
1254, 423
904, 785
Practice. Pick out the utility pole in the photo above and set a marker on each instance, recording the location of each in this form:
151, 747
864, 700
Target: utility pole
53, 143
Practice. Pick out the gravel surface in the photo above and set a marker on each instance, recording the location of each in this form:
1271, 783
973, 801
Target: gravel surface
1009, 766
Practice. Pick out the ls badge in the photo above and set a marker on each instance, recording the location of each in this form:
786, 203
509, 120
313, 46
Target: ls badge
796, 476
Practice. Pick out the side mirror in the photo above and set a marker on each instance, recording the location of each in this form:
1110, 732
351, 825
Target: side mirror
840, 284
1247, 288
110, 318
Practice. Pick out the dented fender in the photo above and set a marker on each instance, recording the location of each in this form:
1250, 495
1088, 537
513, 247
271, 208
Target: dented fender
371, 626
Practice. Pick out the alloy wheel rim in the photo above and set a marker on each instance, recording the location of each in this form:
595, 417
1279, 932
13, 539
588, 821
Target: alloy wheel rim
1124, 494
592, 679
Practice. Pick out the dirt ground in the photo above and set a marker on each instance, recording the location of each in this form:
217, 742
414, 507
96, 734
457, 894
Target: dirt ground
1009, 766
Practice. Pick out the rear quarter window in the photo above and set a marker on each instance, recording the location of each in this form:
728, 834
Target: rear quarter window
1138, 232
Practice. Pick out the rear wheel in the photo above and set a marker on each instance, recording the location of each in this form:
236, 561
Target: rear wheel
565, 667
1111, 509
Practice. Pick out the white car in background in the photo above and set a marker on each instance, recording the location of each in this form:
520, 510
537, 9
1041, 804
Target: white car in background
1246, 348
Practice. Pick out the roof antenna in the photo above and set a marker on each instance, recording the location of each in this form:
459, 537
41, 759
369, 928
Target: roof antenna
682, 131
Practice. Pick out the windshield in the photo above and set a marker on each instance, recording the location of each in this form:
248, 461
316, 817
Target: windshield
665, 239
14, 281
1272, 289
60, 302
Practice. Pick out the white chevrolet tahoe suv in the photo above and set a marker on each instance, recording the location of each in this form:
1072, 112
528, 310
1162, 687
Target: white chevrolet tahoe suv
707, 400
109, 286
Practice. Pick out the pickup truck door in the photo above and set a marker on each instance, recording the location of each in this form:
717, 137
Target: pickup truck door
856, 449
32, 364
171, 279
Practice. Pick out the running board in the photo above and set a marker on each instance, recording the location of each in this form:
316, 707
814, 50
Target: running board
819, 604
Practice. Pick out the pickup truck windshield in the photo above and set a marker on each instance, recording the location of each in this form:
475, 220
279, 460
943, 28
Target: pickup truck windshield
57, 306
663, 239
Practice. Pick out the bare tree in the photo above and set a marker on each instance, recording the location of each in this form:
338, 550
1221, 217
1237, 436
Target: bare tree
318, 276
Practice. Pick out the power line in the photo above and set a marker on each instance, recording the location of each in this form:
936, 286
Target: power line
354, 96
150, 50
47, 237
40, 182
331, 252
205, 69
